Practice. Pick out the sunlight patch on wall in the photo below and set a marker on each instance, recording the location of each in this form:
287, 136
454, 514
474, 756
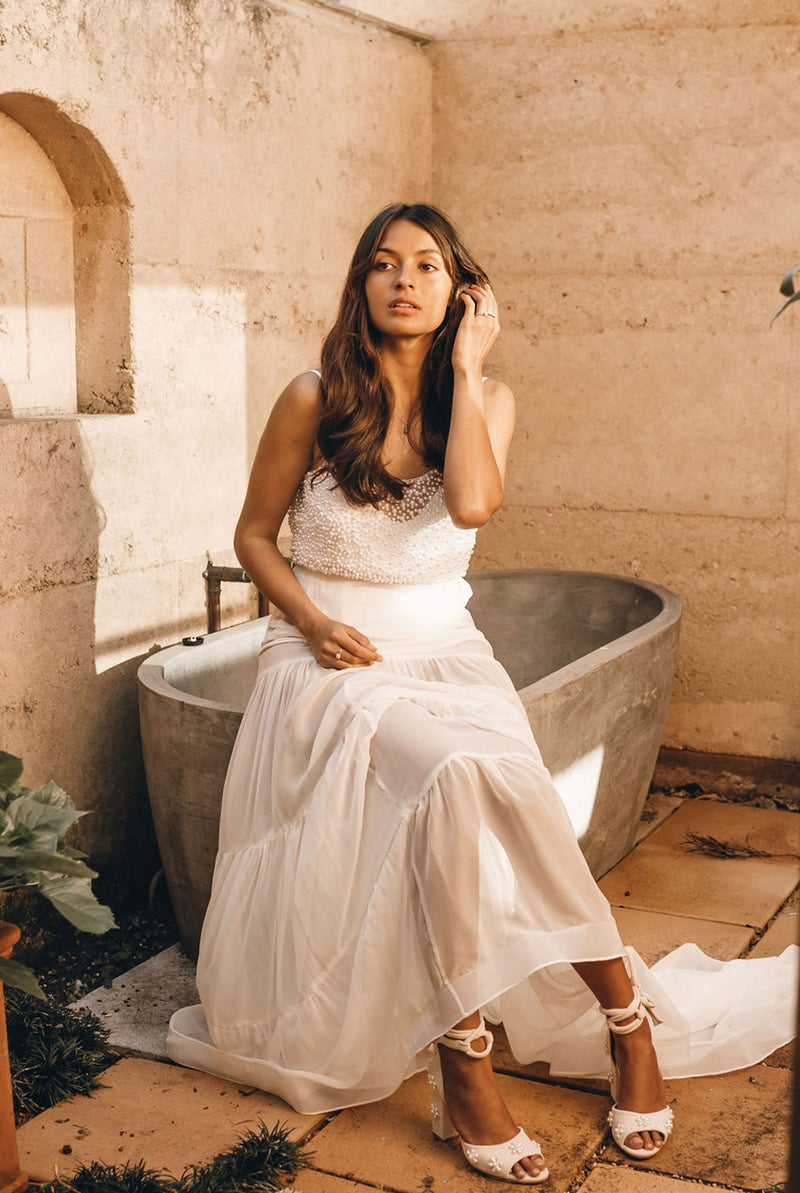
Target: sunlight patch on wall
175, 486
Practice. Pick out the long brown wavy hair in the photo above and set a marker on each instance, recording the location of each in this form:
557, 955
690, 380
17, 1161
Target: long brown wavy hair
355, 394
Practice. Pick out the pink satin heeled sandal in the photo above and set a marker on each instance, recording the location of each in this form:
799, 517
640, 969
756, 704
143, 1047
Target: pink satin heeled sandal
495, 1160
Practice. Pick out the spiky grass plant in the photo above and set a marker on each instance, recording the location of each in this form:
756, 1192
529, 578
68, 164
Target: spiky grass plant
55, 1052
258, 1163
112, 1178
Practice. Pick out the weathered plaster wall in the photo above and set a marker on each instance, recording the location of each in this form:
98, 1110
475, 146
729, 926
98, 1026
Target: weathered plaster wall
251, 142
629, 175
625, 170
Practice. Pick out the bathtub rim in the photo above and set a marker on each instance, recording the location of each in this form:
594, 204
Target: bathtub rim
150, 672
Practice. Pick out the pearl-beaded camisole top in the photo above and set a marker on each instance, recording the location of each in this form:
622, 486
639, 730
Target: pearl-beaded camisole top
410, 540
407, 540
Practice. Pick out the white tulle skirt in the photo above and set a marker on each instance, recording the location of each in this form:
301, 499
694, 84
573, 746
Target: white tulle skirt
393, 855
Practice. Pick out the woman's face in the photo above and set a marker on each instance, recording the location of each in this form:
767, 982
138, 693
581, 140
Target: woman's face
408, 286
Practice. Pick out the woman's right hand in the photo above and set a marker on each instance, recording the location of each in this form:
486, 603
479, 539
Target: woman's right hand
339, 646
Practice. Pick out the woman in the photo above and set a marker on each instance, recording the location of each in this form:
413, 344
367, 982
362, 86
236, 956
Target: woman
393, 856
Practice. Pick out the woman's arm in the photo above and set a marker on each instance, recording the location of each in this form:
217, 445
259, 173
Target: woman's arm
482, 420
284, 456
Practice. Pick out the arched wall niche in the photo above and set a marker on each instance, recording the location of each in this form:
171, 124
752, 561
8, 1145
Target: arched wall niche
101, 251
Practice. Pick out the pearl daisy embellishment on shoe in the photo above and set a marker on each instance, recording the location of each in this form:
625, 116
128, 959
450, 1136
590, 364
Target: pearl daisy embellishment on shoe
496, 1160
624, 1123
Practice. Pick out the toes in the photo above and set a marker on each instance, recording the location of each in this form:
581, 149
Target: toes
646, 1141
530, 1166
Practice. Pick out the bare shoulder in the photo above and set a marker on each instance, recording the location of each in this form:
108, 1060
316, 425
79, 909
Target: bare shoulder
300, 402
500, 403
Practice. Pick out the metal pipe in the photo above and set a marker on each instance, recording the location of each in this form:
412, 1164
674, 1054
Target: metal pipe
214, 577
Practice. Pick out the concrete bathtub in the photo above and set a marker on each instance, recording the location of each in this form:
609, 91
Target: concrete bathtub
591, 655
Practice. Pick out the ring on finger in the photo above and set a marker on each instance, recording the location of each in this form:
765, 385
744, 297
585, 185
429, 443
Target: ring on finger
338, 654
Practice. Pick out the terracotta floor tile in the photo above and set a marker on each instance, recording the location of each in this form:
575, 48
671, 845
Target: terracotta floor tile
732, 1129
654, 934
776, 831
729, 890
309, 1180
783, 1058
608, 1178
390, 1142
168, 1116
783, 931
656, 810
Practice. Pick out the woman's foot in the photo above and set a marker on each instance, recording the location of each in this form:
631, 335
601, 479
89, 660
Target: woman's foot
641, 1121
476, 1106
641, 1088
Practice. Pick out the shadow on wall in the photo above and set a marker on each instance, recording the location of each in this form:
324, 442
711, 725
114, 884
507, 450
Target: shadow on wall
64, 719
58, 715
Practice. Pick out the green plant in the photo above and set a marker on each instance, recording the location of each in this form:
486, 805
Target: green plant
55, 1052
788, 290
256, 1164
33, 854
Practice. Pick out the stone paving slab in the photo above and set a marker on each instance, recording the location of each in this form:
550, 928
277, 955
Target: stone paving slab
311, 1181
654, 934
783, 1058
732, 1129
606, 1178
136, 1008
168, 1116
783, 931
656, 810
390, 1142
659, 875
771, 829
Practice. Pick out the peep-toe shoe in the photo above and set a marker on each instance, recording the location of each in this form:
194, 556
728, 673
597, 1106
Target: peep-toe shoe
630, 1122
497, 1159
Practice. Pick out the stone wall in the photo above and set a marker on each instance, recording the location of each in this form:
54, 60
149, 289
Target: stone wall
218, 159
628, 173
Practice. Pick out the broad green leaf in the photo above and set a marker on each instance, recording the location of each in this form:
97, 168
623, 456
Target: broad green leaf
27, 812
12, 865
10, 770
54, 795
73, 897
12, 882
71, 851
34, 861
14, 974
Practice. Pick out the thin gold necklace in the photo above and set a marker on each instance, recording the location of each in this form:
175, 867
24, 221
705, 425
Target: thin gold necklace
406, 422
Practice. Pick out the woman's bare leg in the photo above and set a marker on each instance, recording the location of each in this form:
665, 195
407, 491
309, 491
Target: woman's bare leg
475, 1103
641, 1087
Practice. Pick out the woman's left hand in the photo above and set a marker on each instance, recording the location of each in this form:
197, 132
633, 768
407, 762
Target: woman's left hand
478, 329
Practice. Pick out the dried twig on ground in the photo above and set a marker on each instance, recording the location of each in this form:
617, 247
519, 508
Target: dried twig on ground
713, 847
